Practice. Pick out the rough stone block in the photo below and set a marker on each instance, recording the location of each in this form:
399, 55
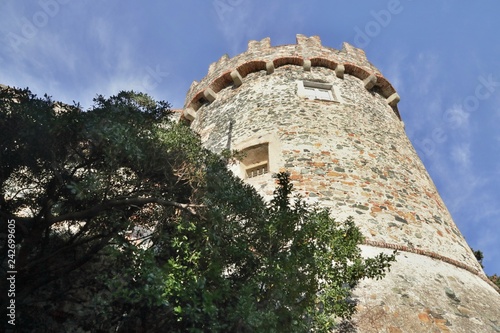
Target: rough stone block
354, 51
339, 71
219, 63
305, 41
254, 45
269, 67
393, 100
189, 114
307, 65
210, 95
370, 81
237, 79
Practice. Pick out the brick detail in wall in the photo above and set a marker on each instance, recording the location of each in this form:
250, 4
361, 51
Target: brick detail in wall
430, 254
350, 60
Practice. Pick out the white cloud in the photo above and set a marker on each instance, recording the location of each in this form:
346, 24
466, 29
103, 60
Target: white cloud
456, 117
234, 19
417, 74
461, 155
246, 20
425, 69
394, 71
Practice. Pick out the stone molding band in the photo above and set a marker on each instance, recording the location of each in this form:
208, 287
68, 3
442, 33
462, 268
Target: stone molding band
235, 77
307, 53
432, 255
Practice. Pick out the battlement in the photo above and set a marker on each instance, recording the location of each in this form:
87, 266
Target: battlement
308, 52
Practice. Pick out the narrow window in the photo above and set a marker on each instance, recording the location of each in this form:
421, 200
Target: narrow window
317, 91
256, 160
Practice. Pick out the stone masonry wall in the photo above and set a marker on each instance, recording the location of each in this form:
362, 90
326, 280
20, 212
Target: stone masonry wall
307, 52
353, 157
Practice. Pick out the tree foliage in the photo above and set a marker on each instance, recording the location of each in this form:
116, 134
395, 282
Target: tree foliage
479, 257
125, 223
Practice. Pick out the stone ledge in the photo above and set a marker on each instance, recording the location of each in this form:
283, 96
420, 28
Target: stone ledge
432, 255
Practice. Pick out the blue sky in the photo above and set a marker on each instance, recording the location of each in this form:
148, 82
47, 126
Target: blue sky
442, 56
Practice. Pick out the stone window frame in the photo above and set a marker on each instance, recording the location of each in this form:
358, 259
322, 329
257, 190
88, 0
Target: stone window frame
271, 161
255, 160
331, 89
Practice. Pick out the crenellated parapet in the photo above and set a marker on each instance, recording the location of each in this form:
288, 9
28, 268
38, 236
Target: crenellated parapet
308, 53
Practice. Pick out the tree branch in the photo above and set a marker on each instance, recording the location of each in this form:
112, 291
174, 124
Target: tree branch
97, 209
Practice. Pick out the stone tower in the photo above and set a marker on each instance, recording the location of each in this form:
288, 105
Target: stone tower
331, 119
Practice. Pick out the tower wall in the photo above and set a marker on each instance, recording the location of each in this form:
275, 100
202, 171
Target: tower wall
353, 156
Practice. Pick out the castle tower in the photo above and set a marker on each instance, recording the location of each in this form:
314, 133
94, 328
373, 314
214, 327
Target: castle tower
331, 119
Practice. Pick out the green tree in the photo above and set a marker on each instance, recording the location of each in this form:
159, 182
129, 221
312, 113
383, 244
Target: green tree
479, 256
76, 182
125, 223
